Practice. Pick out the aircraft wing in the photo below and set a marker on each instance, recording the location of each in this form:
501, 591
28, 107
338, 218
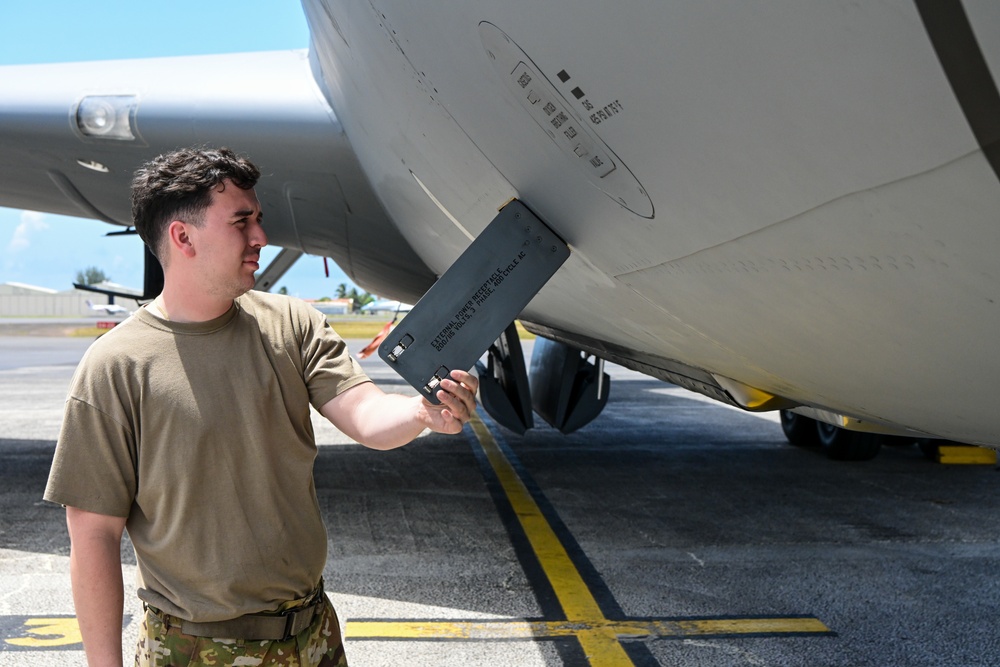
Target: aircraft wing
72, 134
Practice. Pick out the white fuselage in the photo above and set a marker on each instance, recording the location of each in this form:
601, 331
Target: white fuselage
797, 202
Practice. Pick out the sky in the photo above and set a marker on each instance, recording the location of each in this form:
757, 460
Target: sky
48, 250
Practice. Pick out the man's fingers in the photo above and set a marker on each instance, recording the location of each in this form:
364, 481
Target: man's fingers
467, 380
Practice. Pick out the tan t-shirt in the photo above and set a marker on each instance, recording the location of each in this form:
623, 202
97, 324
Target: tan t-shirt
200, 434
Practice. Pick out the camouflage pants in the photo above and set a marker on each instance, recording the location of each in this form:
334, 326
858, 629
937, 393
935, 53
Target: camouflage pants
162, 644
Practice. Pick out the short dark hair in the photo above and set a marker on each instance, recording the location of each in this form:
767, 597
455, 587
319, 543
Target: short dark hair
179, 185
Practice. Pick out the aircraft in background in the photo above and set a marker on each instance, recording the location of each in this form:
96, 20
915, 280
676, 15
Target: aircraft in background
784, 206
110, 308
386, 306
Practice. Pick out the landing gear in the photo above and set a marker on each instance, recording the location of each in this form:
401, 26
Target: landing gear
840, 444
844, 445
929, 448
800, 431
567, 389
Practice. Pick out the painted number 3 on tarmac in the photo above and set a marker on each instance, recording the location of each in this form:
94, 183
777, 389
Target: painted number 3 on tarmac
20, 633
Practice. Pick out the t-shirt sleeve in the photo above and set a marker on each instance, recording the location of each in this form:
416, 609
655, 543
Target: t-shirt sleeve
328, 367
94, 464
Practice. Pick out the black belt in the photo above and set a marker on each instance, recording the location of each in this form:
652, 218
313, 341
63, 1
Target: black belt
254, 627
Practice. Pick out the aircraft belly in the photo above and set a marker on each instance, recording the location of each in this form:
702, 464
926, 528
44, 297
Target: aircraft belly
730, 120
821, 214
889, 319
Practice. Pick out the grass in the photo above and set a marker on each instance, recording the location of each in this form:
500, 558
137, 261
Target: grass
363, 330
367, 329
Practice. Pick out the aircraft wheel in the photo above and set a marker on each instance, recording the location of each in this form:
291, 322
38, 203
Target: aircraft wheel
929, 448
800, 431
844, 445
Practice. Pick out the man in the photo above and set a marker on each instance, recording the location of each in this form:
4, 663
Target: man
188, 425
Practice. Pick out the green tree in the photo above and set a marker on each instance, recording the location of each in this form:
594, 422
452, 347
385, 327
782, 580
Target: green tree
342, 291
91, 276
282, 290
359, 299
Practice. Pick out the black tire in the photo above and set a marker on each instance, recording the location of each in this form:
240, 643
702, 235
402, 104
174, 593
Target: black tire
929, 448
800, 431
844, 445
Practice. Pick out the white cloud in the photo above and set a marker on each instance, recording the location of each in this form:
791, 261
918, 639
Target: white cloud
31, 222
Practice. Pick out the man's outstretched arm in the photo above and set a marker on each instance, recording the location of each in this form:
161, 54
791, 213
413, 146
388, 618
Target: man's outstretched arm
384, 421
96, 573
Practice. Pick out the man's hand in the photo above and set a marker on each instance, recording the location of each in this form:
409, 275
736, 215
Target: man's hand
457, 394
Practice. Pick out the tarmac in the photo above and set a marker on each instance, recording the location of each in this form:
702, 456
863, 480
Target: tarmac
669, 531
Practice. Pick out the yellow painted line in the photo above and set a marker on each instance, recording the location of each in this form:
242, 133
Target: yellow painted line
599, 644
740, 626
599, 637
627, 629
966, 455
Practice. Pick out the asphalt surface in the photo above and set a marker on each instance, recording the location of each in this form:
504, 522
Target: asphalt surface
685, 533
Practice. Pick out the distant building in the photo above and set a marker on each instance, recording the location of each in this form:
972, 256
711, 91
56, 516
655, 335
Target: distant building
22, 289
333, 306
20, 300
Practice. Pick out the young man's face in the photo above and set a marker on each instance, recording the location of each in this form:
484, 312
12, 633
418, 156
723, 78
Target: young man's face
228, 241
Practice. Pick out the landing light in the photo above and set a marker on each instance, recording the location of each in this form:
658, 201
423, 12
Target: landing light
107, 117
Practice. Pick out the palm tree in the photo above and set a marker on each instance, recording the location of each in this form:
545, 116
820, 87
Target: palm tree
359, 299
91, 276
